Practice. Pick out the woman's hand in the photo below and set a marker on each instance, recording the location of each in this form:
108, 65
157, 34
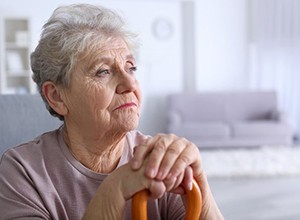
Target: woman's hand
176, 161
169, 158
119, 186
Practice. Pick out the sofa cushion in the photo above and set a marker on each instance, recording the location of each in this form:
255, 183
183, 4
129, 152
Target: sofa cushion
196, 107
247, 106
259, 129
224, 106
216, 130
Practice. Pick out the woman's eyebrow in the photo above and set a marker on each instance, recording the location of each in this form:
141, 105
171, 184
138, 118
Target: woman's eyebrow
130, 56
108, 59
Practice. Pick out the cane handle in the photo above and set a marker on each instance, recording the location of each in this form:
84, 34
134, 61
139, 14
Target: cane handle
193, 210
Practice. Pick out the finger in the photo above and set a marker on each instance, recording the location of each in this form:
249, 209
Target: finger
179, 180
197, 168
157, 189
140, 153
134, 181
159, 149
187, 182
170, 184
179, 190
174, 183
170, 157
189, 156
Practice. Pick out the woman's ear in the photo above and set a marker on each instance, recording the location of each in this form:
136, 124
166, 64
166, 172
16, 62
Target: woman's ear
52, 93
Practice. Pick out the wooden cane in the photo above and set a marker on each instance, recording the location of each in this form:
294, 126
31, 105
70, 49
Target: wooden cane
193, 210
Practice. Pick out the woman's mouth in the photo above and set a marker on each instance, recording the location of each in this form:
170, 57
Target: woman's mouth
126, 105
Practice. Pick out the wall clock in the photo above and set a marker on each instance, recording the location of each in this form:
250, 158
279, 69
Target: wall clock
162, 28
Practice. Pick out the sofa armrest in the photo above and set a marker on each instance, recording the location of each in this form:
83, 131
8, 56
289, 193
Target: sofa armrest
280, 116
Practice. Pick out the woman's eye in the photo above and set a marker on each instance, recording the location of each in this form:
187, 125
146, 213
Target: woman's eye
132, 69
102, 73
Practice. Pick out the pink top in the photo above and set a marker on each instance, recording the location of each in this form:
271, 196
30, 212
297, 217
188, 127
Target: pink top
42, 180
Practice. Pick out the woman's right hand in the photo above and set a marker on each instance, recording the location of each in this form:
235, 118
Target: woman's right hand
131, 182
117, 188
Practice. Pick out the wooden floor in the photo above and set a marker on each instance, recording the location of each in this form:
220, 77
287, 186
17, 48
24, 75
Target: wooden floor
276, 198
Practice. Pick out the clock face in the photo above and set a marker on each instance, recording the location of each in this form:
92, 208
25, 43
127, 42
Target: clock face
162, 29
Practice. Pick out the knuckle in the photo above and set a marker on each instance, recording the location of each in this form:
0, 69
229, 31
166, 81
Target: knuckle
160, 147
179, 180
173, 136
182, 139
184, 159
159, 135
174, 150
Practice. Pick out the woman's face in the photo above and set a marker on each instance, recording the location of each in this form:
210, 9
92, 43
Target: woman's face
104, 93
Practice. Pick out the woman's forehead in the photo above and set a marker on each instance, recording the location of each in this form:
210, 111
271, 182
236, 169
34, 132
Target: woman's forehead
108, 48
108, 52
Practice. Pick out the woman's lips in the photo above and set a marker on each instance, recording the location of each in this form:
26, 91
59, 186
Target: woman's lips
126, 105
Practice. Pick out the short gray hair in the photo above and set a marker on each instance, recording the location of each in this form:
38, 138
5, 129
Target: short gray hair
69, 32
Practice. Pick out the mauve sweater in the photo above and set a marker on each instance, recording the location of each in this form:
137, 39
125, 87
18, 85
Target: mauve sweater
42, 180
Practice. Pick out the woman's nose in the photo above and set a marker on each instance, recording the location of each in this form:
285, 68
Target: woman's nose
127, 83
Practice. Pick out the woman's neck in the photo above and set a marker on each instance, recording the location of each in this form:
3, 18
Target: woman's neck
101, 155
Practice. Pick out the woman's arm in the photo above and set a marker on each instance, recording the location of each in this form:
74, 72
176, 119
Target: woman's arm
110, 199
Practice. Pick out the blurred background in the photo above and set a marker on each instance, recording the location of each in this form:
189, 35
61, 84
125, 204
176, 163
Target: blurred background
187, 46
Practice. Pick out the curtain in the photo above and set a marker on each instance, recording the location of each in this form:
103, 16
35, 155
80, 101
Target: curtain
275, 53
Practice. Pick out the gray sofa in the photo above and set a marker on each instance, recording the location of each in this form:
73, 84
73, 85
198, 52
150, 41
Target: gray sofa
22, 118
229, 119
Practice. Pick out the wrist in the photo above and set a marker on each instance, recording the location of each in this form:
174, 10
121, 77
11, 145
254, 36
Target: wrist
107, 204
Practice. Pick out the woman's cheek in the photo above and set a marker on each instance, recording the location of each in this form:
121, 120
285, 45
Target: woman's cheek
138, 94
98, 94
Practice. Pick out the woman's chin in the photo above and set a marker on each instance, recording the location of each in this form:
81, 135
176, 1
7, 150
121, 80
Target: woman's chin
129, 123
127, 120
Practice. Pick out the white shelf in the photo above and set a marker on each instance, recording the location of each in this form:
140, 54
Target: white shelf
16, 46
15, 74
20, 73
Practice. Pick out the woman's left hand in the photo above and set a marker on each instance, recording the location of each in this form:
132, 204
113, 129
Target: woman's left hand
173, 159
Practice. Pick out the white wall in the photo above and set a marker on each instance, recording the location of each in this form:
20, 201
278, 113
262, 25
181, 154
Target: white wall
221, 42
221, 38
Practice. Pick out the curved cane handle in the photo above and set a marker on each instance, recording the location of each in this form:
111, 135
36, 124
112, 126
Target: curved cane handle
193, 211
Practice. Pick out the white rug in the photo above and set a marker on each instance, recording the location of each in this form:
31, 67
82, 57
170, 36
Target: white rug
259, 162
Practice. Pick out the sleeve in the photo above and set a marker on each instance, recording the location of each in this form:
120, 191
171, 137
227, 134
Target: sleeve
19, 198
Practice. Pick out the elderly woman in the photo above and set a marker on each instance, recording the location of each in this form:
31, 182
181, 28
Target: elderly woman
91, 166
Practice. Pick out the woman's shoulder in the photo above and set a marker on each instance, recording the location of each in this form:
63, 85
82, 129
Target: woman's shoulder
133, 139
137, 136
33, 149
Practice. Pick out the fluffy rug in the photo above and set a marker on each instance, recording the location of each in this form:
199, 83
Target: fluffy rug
258, 162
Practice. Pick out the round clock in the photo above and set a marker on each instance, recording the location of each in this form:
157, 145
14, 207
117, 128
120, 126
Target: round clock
162, 29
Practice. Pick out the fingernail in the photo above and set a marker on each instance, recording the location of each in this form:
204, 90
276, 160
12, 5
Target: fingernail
190, 186
135, 164
159, 175
151, 173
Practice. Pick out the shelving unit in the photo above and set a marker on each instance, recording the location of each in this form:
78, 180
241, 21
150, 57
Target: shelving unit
15, 51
